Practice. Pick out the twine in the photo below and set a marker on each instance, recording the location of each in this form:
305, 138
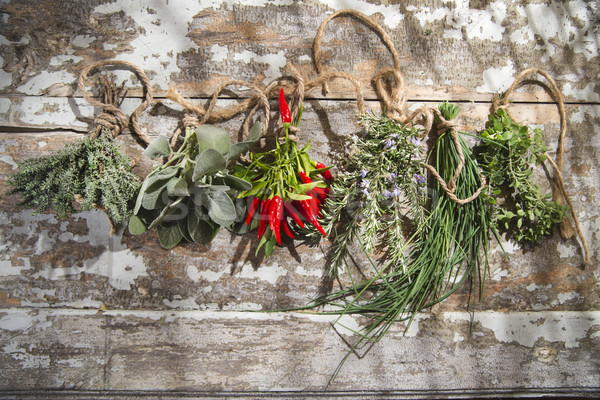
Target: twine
257, 101
394, 101
112, 117
560, 194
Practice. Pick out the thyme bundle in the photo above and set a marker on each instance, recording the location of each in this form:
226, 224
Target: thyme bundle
94, 169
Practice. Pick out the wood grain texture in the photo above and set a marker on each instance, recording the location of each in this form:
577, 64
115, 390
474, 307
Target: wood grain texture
89, 315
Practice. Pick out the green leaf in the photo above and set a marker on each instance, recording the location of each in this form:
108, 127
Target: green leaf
178, 187
255, 132
169, 235
297, 196
159, 147
208, 162
220, 208
212, 137
236, 183
183, 228
153, 198
202, 230
136, 225
257, 187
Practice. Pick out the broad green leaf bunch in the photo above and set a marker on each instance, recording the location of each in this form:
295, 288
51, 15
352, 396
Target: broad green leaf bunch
192, 195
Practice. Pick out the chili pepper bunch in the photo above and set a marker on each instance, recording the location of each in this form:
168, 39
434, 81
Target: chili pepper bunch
288, 187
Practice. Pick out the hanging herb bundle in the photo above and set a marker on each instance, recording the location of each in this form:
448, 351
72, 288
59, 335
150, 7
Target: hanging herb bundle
449, 248
378, 195
192, 195
285, 184
507, 155
93, 171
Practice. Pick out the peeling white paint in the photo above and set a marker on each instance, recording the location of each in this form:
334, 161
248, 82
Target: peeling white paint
9, 160
566, 251
525, 328
266, 273
586, 94
183, 304
219, 53
533, 287
584, 112
39, 83
49, 112
500, 273
165, 27
88, 302
26, 359
275, 62
8, 269
5, 77
244, 306
4, 104
554, 24
82, 41
16, 322
392, 14
64, 58
483, 24
565, 297
42, 144
207, 275
300, 270
497, 80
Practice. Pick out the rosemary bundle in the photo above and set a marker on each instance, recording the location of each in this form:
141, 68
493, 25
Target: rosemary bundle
94, 169
378, 196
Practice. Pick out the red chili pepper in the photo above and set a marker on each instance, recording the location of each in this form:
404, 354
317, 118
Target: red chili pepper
306, 210
264, 217
284, 110
252, 209
293, 213
325, 174
286, 228
303, 177
275, 213
320, 192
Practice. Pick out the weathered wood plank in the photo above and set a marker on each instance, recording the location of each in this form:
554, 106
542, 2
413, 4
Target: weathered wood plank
447, 50
218, 351
75, 263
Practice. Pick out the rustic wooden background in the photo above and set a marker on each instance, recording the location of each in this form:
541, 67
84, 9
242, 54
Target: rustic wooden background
86, 314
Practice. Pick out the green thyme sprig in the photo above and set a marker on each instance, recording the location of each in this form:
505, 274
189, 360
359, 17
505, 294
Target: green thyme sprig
94, 169
508, 153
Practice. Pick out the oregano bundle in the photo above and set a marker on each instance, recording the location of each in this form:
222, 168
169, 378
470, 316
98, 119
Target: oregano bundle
507, 155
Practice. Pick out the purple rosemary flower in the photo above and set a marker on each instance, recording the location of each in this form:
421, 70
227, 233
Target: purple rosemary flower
416, 141
389, 143
386, 194
420, 179
363, 173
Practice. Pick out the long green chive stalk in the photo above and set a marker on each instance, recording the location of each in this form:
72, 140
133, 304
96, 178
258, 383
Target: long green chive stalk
449, 249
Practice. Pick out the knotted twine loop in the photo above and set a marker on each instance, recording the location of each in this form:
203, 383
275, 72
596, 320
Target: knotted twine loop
112, 117
449, 127
254, 103
560, 194
394, 102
